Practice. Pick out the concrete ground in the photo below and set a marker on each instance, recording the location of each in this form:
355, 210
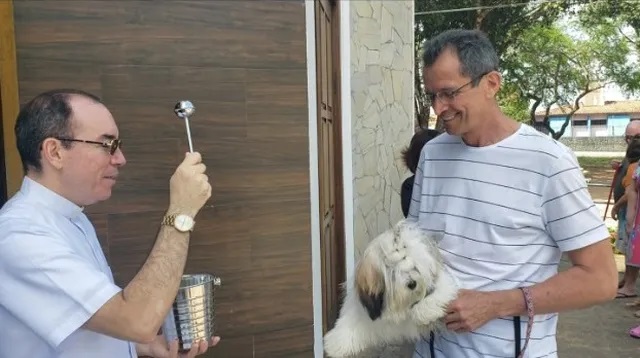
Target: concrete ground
599, 331
600, 154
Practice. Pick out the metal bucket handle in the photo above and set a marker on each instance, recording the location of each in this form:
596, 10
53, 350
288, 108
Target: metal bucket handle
217, 281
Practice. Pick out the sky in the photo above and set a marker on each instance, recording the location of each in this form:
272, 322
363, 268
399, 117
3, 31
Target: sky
611, 92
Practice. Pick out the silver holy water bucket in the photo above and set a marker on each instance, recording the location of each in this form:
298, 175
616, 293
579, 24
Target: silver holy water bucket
192, 315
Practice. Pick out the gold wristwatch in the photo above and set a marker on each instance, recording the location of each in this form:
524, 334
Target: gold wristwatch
180, 222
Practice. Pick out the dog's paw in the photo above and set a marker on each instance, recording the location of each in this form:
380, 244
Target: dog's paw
427, 313
340, 344
335, 344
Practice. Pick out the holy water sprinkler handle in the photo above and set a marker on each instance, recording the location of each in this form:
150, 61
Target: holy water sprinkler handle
184, 110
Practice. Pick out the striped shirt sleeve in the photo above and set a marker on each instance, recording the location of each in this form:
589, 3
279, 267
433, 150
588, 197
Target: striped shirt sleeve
416, 194
569, 213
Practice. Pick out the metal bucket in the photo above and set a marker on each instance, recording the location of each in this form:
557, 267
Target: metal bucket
192, 315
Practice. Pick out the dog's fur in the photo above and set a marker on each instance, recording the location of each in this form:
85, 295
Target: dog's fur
399, 292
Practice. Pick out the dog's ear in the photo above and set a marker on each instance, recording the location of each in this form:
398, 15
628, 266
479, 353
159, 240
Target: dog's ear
370, 286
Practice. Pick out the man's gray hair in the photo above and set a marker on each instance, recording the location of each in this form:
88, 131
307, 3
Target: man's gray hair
475, 52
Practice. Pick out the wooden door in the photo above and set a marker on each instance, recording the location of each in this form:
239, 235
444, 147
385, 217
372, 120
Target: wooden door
11, 176
3, 168
243, 63
329, 160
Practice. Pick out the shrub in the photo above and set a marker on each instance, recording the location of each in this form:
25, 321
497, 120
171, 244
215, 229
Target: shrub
613, 237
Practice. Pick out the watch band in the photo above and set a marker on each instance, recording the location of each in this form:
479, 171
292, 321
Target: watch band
169, 220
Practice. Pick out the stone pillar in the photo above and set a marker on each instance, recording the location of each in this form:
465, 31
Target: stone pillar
382, 65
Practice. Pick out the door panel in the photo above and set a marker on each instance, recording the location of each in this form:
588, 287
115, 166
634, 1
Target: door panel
9, 106
329, 149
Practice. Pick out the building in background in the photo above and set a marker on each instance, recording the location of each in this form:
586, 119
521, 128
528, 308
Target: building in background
596, 117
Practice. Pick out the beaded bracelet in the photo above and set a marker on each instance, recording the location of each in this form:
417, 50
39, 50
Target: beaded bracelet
528, 301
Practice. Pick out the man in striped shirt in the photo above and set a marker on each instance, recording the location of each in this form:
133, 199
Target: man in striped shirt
505, 202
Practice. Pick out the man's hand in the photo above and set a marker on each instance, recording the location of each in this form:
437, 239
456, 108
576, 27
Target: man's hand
189, 187
471, 310
614, 212
615, 164
159, 348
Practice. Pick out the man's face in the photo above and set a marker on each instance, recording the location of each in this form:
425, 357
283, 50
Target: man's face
89, 171
454, 99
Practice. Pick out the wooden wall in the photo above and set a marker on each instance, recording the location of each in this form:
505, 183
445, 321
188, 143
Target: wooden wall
11, 177
243, 64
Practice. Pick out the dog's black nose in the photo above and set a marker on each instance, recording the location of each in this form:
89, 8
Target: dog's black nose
412, 284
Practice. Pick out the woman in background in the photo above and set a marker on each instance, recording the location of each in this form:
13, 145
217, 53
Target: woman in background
411, 156
632, 249
628, 287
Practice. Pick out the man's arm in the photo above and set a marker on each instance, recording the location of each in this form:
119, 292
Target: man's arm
615, 164
620, 203
137, 312
143, 349
573, 221
591, 280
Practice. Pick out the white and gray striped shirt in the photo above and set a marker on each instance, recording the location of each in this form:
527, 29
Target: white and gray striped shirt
503, 214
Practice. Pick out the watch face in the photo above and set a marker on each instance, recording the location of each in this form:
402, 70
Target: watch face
183, 222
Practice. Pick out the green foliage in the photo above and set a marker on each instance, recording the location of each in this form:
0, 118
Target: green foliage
543, 65
596, 162
551, 68
513, 104
620, 21
503, 25
615, 12
613, 237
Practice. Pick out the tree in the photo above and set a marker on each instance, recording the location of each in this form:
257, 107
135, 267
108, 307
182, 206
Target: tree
551, 68
618, 13
512, 102
504, 21
621, 18
543, 66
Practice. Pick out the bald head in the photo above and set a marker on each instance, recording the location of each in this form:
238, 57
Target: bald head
633, 128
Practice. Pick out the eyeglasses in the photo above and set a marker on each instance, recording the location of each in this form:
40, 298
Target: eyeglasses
449, 95
111, 144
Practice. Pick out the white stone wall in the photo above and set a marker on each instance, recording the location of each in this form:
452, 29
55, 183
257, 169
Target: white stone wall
382, 111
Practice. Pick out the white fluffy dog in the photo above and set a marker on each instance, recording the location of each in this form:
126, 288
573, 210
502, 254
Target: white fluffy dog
399, 292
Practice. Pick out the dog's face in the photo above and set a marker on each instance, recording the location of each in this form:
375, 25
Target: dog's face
398, 269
